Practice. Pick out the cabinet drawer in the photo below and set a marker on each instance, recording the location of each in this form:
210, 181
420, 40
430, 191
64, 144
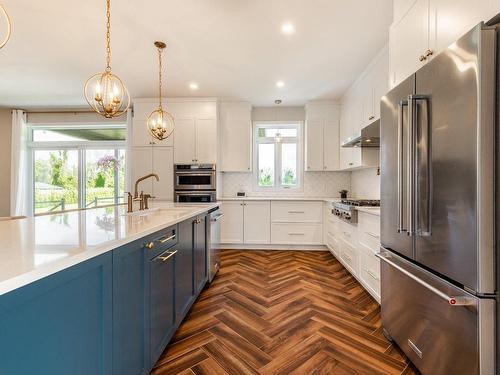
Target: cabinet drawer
296, 212
348, 233
370, 273
161, 241
296, 234
369, 231
349, 257
333, 244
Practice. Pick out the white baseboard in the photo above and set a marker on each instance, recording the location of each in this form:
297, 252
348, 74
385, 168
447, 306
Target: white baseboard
275, 247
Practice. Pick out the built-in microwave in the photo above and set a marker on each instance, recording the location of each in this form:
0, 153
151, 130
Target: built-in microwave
194, 177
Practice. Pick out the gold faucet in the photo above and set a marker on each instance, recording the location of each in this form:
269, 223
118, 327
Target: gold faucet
142, 198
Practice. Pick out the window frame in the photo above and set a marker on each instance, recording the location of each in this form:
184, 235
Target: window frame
81, 147
278, 186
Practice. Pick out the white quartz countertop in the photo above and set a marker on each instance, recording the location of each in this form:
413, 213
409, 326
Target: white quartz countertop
297, 199
369, 210
37, 247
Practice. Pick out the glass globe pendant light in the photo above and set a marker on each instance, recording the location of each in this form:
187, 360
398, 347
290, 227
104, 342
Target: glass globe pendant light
8, 26
105, 92
160, 123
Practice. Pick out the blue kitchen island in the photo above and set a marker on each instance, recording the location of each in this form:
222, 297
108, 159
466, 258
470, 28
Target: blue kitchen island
98, 291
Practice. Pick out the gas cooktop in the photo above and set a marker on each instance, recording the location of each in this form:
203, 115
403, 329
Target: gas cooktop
346, 208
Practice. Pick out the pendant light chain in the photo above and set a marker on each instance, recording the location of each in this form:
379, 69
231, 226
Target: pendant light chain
108, 35
160, 82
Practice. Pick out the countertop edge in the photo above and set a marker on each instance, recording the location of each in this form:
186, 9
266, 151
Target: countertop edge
29, 277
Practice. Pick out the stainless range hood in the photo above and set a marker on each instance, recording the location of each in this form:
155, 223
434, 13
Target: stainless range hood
370, 137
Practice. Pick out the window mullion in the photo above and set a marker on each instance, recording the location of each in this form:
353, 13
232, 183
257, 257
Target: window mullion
82, 177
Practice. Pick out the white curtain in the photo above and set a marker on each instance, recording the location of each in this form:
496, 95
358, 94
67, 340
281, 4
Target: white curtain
20, 204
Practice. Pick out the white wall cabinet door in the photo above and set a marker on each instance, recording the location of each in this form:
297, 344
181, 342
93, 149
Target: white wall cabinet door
331, 144
453, 18
163, 166
380, 82
236, 137
409, 39
232, 222
314, 145
257, 222
185, 141
142, 164
206, 141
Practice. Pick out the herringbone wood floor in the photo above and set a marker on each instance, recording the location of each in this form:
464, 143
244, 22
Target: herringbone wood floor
282, 312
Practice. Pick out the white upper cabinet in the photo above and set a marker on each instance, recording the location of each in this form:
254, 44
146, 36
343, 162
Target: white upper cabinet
236, 137
423, 28
322, 136
185, 141
409, 41
453, 18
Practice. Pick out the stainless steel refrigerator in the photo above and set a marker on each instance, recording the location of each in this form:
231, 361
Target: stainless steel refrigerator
438, 155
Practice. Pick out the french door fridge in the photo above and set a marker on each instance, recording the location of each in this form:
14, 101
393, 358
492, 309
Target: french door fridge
438, 157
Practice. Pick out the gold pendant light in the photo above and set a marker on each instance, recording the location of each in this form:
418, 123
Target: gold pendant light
4, 14
160, 123
105, 92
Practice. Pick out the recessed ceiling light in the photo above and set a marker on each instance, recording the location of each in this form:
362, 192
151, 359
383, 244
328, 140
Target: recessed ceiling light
287, 28
280, 84
193, 86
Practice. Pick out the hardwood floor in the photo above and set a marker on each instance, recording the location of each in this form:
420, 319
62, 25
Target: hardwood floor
282, 312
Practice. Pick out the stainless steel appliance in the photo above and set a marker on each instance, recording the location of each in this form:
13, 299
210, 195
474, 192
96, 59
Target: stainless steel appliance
194, 177
369, 137
214, 244
195, 183
438, 152
346, 208
195, 196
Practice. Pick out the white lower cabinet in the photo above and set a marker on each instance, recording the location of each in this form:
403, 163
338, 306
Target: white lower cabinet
246, 222
256, 222
355, 247
232, 222
296, 234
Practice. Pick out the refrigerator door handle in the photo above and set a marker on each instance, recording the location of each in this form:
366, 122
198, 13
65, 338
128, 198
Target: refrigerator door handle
401, 227
452, 300
411, 165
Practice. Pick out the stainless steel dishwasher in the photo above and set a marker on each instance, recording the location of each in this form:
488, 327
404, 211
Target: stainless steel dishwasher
214, 246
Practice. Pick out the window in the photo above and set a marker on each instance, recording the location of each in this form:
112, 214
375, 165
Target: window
278, 152
77, 167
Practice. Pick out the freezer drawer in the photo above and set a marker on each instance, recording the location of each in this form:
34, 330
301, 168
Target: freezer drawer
441, 328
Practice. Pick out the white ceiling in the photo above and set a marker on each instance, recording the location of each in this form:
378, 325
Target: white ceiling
233, 49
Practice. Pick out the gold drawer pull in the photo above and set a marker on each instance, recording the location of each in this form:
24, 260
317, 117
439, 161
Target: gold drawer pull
170, 255
166, 239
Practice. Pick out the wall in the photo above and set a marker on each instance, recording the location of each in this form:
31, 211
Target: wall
365, 183
315, 184
5, 140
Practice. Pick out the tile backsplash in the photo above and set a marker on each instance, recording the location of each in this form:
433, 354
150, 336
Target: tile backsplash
315, 184
365, 183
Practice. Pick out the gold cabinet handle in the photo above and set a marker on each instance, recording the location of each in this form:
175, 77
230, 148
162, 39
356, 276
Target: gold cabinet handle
166, 239
149, 245
422, 58
371, 117
429, 52
165, 258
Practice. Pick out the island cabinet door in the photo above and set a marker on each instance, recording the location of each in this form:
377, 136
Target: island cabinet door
162, 301
200, 253
130, 309
60, 324
184, 275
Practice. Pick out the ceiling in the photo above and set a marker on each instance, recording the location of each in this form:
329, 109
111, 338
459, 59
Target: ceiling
233, 49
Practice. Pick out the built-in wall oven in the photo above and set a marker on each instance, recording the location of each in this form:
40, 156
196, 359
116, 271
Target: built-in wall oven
194, 177
195, 183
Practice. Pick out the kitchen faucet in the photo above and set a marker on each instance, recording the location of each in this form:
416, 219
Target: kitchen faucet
142, 198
